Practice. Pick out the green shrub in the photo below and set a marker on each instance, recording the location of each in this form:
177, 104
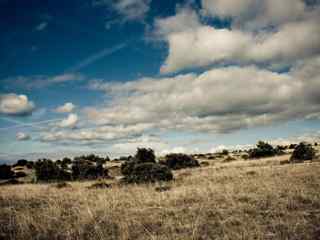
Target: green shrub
148, 173
47, 170
263, 149
178, 161
302, 152
6, 172
144, 155
85, 169
143, 168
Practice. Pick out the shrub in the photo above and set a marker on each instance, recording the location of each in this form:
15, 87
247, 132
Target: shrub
63, 185
225, 152
30, 164
302, 152
144, 155
6, 172
292, 146
100, 185
229, 159
143, 169
21, 163
148, 173
178, 161
263, 149
245, 156
84, 169
47, 170
20, 174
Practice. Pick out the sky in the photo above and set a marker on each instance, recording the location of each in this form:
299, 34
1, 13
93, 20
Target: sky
108, 76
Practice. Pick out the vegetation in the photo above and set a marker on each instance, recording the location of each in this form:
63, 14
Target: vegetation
302, 152
142, 168
177, 161
264, 149
236, 200
6, 172
47, 170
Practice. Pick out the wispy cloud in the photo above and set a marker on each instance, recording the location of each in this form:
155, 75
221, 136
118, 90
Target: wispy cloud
41, 26
40, 81
20, 124
96, 57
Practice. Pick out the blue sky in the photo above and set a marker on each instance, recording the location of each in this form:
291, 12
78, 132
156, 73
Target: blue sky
108, 76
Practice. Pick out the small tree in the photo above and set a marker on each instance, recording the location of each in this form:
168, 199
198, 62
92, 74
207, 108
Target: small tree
302, 152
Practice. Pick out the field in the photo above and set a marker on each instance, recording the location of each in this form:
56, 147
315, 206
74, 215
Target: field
241, 199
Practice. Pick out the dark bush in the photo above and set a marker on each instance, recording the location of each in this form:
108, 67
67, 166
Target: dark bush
245, 156
263, 149
292, 146
47, 170
225, 152
63, 185
85, 169
20, 174
100, 185
30, 164
143, 168
6, 172
302, 152
148, 173
144, 155
229, 159
21, 163
178, 161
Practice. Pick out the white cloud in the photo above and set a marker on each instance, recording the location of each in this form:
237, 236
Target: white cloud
42, 26
128, 10
102, 133
66, 108
13, 104
146, 141
20, 136
219, 100
39, 81
69, 122
207, 45
255, 14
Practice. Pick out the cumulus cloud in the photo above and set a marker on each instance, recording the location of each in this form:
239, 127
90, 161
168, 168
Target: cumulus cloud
21, 136
66, 108
219, 100
69, 122
205, 44
13, 104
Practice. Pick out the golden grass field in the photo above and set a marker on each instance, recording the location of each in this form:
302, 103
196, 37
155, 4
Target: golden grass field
252, 199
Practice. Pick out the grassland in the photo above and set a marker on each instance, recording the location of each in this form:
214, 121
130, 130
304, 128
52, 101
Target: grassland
252, 199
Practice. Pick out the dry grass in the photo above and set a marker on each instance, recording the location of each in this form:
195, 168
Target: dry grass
237, 200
